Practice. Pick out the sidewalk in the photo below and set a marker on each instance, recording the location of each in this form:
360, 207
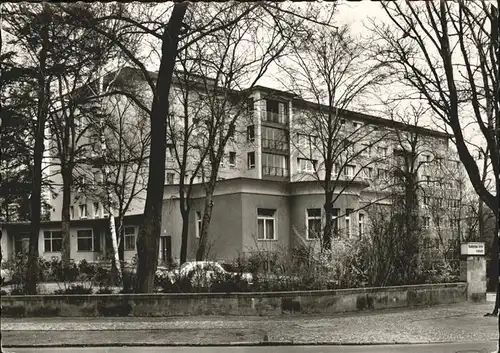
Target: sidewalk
452, 323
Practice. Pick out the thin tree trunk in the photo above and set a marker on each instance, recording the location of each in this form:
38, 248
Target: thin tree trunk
114, 242
150, 230
327, 232
67, 175
36, 195
184, 235
205, 223
121, 240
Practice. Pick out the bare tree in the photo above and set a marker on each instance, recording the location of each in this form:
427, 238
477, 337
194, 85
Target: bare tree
447, 52
230, 63
329, 67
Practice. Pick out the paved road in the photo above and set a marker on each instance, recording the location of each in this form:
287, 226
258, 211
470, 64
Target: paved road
482, 347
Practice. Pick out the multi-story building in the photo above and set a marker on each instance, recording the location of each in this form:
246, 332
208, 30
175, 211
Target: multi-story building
270, 192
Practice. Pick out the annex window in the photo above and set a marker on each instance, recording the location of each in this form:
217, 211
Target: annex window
348, 214
266, 224
198, 224
335, 222
87, 240
251, 160
313, 223
129, 238
361, 224
170, 178
52, 240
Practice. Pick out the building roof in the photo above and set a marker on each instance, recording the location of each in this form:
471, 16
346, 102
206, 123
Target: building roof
301, 102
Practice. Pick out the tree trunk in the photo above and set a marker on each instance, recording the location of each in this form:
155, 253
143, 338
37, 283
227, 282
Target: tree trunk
327, 232
150, 230
67, 178
121, 240
114, 242
184, 235
36, 195
205, 223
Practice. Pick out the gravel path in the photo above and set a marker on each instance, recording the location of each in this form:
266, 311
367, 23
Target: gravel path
453, 323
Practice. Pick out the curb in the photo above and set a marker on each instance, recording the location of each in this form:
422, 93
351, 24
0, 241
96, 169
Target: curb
230, 344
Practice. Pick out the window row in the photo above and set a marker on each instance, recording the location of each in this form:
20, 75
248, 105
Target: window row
267, 223
82, 211
87, 240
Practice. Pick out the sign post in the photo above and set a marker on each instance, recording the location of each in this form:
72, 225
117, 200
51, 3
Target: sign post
473, 270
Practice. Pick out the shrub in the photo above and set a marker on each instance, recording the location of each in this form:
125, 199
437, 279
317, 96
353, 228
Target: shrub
75, 289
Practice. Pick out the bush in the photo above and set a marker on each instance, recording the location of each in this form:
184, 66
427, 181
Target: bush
75, 289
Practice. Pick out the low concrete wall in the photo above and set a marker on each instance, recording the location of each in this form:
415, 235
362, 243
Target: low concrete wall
271, 303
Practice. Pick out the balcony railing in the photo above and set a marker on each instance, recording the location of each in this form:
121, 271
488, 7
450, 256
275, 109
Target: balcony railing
275, 171
274, 117
275, 144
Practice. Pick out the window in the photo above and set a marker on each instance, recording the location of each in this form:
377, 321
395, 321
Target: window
426, 222
273, 138
232, 159
250, 105
129, 238
349, 171
71, 212
454, 203
382, 151
21, 245
335, 222
274, 164
83, 211
427, 179
230, 131
275, 111
382, 173
250, 133
368, 172
426, 200
361, 224
52, 240
198, 224
266, 224
98, 177
170, 150
313, 223
97, 210
348, 213
87, 240
306, 165
251, 160
170, 178
366, 150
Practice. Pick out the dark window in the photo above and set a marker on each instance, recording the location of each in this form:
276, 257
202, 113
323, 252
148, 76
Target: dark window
232, 159
313, 223
250, 133
52, 241
251, 160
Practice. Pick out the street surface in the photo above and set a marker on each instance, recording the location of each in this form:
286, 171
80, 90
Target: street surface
483, 347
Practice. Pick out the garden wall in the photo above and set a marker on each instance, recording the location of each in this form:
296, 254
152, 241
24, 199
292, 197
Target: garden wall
271, 303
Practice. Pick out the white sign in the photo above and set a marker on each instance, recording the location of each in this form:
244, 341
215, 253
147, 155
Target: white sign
472, 249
